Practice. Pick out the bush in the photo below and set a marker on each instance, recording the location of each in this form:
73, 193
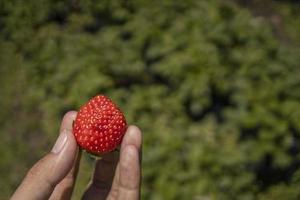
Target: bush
215, 93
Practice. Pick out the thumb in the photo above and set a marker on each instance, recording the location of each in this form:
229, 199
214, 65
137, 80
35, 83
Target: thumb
42, 178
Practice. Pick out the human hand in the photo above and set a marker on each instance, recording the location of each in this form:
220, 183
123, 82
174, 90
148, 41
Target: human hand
53, 177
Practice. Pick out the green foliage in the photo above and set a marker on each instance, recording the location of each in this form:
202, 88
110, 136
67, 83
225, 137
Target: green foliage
214, 91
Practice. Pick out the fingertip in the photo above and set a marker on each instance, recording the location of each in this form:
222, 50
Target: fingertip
67, 121
133, 129
70, 115
133, 136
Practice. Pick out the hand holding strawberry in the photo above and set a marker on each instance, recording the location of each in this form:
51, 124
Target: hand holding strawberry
99, 127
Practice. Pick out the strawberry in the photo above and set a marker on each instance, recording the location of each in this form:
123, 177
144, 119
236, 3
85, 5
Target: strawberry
99, 126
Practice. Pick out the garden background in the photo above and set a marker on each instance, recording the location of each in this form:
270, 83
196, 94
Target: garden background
213, 84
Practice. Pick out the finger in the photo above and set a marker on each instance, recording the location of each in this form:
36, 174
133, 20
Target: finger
42, 178
113, 193
67, 121
129, 174
133, 137
65, 188
102, 177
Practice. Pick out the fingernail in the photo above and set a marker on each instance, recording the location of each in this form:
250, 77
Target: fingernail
60, 142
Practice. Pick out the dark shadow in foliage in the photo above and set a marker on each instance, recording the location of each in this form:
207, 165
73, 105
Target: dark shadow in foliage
267, 174
218, 101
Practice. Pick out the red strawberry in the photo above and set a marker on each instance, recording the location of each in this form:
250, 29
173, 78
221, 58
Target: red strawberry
99, 126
